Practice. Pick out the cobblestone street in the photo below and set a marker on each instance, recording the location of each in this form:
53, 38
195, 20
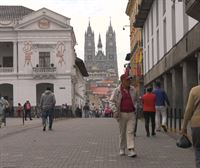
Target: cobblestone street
85, 143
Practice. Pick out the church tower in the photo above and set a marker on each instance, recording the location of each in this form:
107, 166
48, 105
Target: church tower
111, 50
101, 67
89, 51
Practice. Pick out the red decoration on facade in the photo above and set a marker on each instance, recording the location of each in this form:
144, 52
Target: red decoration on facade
28, 52
60, 52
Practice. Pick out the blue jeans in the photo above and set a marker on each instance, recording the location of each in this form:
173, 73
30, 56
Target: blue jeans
47, 113
196, 144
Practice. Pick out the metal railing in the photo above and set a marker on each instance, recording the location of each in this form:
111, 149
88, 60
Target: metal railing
44, 69
174, 119
6, 69
44, 72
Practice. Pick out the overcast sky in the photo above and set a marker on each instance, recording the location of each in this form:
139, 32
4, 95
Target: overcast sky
98, 11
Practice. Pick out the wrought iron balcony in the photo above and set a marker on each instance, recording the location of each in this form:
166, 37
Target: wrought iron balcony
44, 72
6, 70
192, 8
143, 11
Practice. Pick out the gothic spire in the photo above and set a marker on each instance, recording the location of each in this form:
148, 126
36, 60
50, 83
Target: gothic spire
99, 43
89, 29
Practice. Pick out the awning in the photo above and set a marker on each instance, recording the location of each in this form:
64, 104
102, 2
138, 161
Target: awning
81, 66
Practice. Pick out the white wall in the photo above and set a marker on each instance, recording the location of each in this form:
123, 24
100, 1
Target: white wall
153, 55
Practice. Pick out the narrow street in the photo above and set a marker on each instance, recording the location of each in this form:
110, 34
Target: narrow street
86, 143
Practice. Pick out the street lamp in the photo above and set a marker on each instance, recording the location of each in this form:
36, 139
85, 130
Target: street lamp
125, 26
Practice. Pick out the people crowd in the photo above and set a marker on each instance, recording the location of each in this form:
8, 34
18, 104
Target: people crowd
125, 105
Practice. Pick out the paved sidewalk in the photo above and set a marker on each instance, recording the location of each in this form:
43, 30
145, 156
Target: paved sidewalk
88, 143
15, 125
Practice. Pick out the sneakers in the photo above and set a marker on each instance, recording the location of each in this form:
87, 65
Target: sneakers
164, 128
131, 153
122, 152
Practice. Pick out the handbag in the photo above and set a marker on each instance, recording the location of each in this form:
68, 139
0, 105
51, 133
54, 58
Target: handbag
183, 142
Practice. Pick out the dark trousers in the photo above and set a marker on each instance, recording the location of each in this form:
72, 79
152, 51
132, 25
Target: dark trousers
196, 144
147, 116
28, 113
45, 114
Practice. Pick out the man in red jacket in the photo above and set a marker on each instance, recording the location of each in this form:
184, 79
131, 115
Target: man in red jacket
149, 103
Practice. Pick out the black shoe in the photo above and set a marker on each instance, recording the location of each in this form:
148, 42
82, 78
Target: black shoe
44, 129
153, 134
148, 134
31, 119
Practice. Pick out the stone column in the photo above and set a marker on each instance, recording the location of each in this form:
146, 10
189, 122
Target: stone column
15, 56
189, 79
168, 86
177, 88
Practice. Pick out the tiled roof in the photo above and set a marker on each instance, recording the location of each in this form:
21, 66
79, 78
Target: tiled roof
13, 12
100, 90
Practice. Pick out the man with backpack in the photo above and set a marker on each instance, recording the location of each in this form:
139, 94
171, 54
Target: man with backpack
27, 109
3, 105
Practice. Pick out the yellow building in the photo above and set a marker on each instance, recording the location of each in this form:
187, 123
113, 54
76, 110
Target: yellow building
136, 56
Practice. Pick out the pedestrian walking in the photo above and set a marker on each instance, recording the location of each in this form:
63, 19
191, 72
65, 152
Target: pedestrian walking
161, 100
86, 110
19, 110
122, 103
47, 105
3, 106
149, 102
92, 110
108, 111
192, 112
27, 109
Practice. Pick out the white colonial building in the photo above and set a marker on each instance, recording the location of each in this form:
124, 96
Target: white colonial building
36, 51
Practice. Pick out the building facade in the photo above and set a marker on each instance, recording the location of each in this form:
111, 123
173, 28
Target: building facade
171, 42
102, 67
136, 51
36, 51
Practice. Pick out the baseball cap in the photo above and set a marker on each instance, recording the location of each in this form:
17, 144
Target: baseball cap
125, 76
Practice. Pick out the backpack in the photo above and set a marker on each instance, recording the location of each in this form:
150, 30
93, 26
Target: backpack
1, 107
28, 106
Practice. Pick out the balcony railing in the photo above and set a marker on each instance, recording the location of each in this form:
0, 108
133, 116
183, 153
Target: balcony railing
192, 8
44, 72
6, 69
143, 10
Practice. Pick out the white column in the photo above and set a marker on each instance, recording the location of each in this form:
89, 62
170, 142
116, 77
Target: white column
15, 56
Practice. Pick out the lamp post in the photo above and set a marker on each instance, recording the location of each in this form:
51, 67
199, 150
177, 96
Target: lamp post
125, 26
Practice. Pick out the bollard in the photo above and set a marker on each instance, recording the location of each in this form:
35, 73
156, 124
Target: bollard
23, 117
179, 116
167, 116
175, 119
171, 114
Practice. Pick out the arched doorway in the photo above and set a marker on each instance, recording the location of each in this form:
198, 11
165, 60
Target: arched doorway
40, 88
6, 90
